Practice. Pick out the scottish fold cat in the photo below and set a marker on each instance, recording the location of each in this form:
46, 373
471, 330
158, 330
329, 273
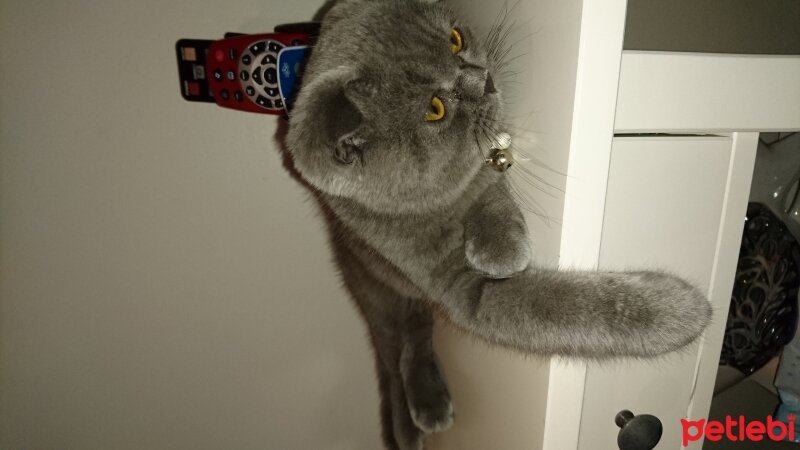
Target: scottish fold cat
398, 113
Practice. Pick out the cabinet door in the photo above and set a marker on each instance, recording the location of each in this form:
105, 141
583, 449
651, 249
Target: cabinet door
665, 208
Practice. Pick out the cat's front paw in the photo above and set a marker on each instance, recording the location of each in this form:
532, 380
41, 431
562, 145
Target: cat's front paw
498, 256
678, 311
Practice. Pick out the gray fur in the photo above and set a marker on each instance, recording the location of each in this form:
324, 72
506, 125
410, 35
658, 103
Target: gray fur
418, 222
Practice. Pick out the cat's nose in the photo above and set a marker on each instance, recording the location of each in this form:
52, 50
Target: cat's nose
489, 88
476, 81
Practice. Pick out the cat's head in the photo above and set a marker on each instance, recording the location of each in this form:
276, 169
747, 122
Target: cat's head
398, 105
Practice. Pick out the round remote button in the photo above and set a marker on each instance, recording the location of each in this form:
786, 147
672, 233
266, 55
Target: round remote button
246, 59
219, 55
272, 92
232, 54
257, 48
269, 59
238, 96
231, 75
218, 75
263, 101
257, 75
224, 94
271, 75
274, 47
244, 76
251, 91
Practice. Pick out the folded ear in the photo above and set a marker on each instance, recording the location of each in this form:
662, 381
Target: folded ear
327, 115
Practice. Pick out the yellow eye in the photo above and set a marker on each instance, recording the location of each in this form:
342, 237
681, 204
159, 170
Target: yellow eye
438, 110
456, 42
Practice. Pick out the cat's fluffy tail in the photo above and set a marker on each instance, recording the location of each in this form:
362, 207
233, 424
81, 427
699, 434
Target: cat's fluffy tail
582, 314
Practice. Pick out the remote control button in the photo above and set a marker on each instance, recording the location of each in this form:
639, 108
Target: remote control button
218, 75
224, 94
244, 76
232, 54
231, 75
257, 75
199, 72
279, 103
263, 101
274, 47
246, 60
238, 96
219, 55
191, 88
273, 92
271, 75
257, 48
251, 91
269, 59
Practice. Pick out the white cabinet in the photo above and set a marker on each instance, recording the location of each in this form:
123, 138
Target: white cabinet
672, 202
664, 210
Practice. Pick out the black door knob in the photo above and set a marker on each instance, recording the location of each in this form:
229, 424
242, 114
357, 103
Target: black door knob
640, 432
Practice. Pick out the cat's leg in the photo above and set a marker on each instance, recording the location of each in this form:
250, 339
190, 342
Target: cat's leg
385, 328
495, 235
426, 391
386, 413
588, 314
414, 397
584, 314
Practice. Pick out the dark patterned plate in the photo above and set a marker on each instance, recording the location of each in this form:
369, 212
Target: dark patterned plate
763, 311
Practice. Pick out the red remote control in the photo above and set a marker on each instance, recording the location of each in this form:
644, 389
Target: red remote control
242, 72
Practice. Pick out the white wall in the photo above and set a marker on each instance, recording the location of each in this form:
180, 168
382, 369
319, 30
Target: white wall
163, 282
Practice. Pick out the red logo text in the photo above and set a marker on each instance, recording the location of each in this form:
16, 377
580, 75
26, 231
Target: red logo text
737, 429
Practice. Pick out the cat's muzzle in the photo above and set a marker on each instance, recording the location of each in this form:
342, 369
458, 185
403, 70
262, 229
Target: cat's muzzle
500, 158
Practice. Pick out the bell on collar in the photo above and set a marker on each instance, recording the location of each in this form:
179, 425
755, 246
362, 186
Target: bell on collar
500, 159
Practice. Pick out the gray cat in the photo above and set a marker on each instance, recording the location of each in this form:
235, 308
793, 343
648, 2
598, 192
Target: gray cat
391, 130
